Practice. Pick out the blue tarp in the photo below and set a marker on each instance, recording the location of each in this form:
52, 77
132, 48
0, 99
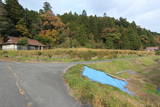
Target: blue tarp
104, 78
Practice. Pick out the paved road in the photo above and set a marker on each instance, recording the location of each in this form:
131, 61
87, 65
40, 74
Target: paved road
34, 85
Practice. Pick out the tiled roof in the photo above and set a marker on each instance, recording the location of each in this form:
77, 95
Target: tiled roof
14, 40
152, 47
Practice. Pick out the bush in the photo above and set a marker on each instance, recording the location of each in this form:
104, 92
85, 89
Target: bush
39, 53
158, 52
5, 53
23, 41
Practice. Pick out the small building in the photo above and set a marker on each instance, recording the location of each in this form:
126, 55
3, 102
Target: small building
12, 43
152, 49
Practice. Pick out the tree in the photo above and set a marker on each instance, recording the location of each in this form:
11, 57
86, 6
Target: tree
52, 27
50, 33
105, 15
157, 38
144, 40
84, 13
22, 29
135, 42
123, 22
47, 7
23, 41
93, 26
5, 23
124, 40
45, 40
33, 22
49, 21
110, 36
15, 10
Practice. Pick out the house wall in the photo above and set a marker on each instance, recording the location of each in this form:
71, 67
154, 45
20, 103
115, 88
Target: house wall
9, 47
41, 48
21, 47
32, 48
35, 48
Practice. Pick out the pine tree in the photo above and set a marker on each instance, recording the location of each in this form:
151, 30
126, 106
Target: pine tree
47, 7
84, 13
15, 10
33, 22
22, 28
135, 42
5, 23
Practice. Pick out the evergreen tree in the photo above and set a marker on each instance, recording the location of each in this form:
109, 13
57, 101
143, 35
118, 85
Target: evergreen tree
105, 15
110, 37
125, 43
135, 42
47, 7
93, 26
5, 23
84, 13
15, 10
22, 28
33, 22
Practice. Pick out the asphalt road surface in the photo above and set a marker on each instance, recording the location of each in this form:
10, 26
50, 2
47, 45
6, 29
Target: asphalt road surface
34, 85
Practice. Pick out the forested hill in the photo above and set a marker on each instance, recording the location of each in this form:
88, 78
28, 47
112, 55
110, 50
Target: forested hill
108, 32
72, 30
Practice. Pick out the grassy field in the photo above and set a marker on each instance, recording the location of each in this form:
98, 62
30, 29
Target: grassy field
142, 74
69, 55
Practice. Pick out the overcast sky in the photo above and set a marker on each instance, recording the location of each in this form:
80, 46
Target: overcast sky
145, 13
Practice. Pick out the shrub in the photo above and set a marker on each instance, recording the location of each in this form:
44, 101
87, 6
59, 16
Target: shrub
23, 41
39, 53
5, 53
158, 52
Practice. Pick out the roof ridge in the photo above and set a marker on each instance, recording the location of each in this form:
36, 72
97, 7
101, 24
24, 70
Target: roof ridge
14, 40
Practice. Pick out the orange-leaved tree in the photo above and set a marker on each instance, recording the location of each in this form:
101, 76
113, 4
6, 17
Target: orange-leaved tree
51, 26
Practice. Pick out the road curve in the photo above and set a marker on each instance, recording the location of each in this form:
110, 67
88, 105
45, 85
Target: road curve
35, 85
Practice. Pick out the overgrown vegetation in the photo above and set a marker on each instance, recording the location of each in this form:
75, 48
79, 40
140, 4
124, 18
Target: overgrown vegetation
77, 54
72, 30
158, 52
23, 41
141, 73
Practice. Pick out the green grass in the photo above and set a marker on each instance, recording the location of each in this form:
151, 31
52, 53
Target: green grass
100, 95
135, 64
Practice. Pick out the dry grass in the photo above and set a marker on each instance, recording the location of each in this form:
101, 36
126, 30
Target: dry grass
74, 54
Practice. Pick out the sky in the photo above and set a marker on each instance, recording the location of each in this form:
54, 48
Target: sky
146, 13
